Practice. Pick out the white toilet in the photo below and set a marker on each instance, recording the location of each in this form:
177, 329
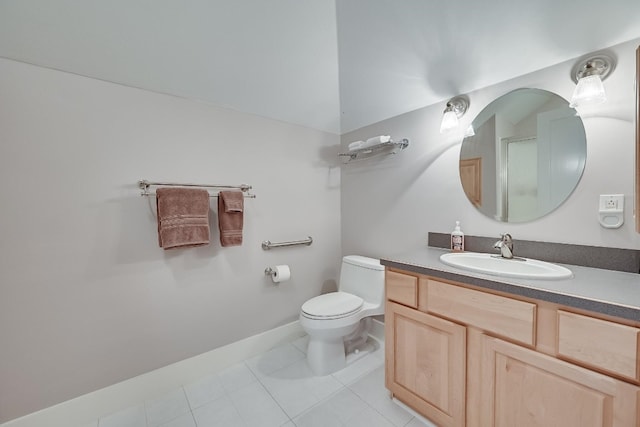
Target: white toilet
338, 321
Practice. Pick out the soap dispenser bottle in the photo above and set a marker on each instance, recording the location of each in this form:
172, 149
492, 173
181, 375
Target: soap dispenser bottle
457, 239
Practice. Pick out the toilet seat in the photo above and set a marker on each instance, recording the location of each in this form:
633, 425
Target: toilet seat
333, 305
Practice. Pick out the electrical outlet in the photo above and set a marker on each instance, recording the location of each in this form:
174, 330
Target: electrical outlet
611, 202
611, 210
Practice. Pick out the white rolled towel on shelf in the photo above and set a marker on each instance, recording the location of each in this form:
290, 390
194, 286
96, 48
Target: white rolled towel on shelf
376, 140
355, 145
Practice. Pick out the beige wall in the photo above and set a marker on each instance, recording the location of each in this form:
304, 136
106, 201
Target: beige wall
87, 298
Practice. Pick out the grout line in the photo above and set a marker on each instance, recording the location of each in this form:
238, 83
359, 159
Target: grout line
146, 415
367, 404
269, 393
321, 401
184, 392
187, 397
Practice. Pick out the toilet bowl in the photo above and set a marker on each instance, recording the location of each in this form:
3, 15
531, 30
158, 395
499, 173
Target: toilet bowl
336, 321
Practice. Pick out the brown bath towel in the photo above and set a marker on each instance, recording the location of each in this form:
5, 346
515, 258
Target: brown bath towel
183, 217
230, 217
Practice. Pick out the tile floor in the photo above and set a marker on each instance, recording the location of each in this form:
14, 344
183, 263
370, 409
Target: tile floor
275, 389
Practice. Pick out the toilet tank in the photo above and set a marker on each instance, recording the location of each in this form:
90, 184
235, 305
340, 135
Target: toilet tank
363, 277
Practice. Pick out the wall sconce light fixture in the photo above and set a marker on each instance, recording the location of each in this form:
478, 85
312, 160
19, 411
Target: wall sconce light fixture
456, 107
589, 73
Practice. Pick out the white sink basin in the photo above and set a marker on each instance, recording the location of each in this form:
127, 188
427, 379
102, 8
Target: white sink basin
524, 268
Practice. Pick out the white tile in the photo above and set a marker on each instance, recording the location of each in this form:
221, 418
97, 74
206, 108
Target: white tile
269, 389
336, 410
370, 388
256, 406
359, 368
185, 420
318, 418
166, 407
236, 377
219, 413
130, 417
204, 391
369, 418
345, 404
91, 424
275, 359
296, 389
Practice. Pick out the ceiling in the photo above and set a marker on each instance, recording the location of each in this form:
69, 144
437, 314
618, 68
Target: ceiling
333, 65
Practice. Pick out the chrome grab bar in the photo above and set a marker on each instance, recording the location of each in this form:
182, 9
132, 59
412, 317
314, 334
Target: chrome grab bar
267, 244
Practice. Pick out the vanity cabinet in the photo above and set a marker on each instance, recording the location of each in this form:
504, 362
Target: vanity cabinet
521, 387
425, 363
465, 356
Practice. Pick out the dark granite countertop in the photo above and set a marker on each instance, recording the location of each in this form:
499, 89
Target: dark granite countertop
609, 292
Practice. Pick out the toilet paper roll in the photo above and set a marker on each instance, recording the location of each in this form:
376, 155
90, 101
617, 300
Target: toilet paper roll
281, 273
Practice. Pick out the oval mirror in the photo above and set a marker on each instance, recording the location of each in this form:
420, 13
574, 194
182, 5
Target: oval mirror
524, 157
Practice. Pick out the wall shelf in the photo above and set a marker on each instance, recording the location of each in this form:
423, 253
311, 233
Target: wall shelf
387, 148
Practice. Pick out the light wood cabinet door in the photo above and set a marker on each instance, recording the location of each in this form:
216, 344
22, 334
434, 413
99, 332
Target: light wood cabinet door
402, 288
426, 363
523, 388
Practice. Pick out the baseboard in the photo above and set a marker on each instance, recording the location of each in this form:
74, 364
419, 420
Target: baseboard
91, 406
424, 420
377, 329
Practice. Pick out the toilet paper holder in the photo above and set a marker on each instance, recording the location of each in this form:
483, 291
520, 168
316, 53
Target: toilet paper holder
279, 273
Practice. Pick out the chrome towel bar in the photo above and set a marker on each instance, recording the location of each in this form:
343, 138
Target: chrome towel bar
144, 186
267, 244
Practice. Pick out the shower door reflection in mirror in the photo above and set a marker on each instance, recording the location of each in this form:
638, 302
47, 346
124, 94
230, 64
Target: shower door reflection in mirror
526, 156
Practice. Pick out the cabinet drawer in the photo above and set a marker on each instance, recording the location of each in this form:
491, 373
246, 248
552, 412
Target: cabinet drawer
599, 344
402, 288
503, 316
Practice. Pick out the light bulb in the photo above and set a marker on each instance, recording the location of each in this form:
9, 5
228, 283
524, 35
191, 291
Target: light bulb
449, 121
588, 91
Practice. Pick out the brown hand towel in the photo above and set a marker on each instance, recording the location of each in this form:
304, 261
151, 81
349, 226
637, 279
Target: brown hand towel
230, 217
183, 217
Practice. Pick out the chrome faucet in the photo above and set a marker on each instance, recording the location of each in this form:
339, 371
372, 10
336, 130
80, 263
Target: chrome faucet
505, 245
